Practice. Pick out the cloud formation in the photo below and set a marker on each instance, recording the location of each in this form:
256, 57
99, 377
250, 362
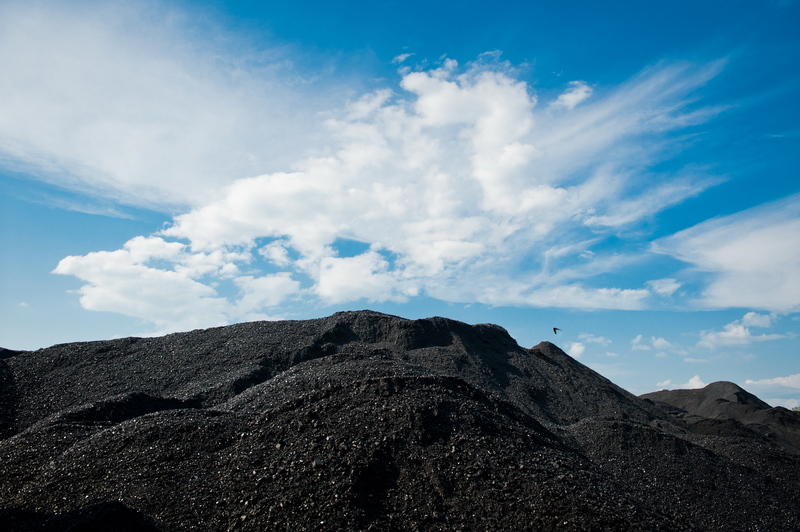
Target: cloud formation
592, 339
138, 102
458, 190
792, 381
694, 383
752, 257
578, 91
454, 183
450, 184
637, 345
737, 333
575, 349
776, 387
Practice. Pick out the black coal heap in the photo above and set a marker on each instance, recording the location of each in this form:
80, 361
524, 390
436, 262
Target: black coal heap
364, 421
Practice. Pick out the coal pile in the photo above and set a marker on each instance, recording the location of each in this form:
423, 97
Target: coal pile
723, 408
364, 421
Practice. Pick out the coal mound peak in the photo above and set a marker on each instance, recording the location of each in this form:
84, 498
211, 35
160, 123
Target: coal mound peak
365, 421
726, 408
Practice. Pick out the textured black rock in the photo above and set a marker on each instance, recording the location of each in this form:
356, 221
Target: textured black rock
724, 408
363, 421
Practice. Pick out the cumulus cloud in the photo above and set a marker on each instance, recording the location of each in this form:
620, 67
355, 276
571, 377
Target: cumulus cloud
267, 291
657, 344
364, 276
694, 383
576, 349
162, 283
737, 333
660, 343
456, 184
754, 319
753, 257
122, 281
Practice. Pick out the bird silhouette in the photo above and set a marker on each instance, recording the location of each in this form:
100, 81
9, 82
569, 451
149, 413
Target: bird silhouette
555, 330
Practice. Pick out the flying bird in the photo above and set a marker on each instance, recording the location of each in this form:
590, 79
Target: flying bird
555, 330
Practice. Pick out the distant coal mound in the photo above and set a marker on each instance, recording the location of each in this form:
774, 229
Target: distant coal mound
364, 421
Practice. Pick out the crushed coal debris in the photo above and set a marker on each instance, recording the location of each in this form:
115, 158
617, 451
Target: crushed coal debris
365, 421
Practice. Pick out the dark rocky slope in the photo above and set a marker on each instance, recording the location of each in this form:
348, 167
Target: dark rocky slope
723, 408
361, 421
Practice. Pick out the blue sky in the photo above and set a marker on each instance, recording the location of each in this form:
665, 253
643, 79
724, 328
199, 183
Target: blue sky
626, 171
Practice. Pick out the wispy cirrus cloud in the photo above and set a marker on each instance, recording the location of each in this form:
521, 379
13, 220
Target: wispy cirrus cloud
592, 339
752, 257
141, 103
792, 381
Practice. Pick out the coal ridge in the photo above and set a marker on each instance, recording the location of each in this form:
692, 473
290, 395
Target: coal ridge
366, 421
725, 409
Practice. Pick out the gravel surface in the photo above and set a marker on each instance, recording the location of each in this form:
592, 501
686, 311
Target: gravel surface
364, 421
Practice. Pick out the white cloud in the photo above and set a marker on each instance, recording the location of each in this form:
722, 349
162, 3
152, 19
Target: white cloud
778, 386
792, 381
660, 343
737, 333
578, 91
264, 292
461, 189
592, 339
656, 197
121, 281
162, 283
352, 278
664, 287
575, 349
276, 252
637, 345
564, 296
694, 383
400, 58
754, 319
664, 384
451, 206
142, 103
753, 256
